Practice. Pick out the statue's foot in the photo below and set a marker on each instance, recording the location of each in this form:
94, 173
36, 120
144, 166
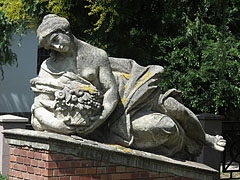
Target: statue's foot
216, 142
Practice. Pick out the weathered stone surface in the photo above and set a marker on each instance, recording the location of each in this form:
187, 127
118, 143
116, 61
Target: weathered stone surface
8, 122
80, 90
109, 153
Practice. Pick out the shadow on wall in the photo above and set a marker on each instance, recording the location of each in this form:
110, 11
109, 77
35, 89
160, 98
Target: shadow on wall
14, 102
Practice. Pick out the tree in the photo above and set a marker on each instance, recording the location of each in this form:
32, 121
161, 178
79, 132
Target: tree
195, 41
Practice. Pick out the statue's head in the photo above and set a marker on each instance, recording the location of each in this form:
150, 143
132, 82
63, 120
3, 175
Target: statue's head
54, 33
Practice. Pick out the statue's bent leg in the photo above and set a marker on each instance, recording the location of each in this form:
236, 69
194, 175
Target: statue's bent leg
186, 118
152, 130
191, 125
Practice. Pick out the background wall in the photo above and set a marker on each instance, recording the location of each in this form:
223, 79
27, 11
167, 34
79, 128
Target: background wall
15, 92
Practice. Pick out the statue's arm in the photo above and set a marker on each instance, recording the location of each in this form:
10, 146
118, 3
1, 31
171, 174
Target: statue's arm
110, 93
109, 87
49, 122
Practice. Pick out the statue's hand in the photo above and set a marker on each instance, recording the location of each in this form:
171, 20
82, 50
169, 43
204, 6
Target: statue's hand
33, 81
97, 121
51, 123
61, 127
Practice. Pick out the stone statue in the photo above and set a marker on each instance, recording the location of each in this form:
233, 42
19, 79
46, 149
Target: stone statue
81, 91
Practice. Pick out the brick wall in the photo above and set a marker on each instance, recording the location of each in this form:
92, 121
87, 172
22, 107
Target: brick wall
34, 164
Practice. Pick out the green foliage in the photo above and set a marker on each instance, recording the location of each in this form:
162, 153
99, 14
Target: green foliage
3, 177
13, 20
203, 62
7, 57
197, 42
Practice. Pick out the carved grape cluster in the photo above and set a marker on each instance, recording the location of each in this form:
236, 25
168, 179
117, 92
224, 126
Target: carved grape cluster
77, 98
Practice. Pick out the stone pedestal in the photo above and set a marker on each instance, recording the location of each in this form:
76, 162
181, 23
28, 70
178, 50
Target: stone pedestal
41, 155
8, 122
212, 124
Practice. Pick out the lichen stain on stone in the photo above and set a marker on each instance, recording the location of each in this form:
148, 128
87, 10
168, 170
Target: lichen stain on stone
122, 148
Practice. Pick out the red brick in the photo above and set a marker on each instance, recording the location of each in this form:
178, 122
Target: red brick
19, 174
46, 172
37, 171
40, 178
69, 157
26, 176
10, 178
51, 165
86, 163
30, 169
101, 170
75, 178
34, 162
111, 169
30, 154
91, 170
20, 167
12, 158
96, 163
19, 160
52, 178
11, 150
85, 178
174, 178
115, 176
26, 161
75, 164
58, 172
80, 171
70, 171
104, 177
95, 177
154, 174
37, 155
47, 157
59, 157
64, 178
64, 164
11, 172
10, 165
134, 175
14, 166
104, 164
41, 164
130, 169
33, 176
23, 153
120, 169
166, 175
126, 176
16, 151
143, 174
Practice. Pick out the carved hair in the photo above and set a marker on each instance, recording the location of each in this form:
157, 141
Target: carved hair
51, 23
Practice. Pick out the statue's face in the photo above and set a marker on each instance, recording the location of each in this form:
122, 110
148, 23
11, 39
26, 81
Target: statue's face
58, 41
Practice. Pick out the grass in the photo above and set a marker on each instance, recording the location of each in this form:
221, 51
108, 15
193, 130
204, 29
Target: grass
2, 177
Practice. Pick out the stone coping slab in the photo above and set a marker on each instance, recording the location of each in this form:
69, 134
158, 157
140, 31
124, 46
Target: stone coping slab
116, 154
11, 118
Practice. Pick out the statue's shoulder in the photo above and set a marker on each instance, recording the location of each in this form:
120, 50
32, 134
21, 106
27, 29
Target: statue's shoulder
92, 50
